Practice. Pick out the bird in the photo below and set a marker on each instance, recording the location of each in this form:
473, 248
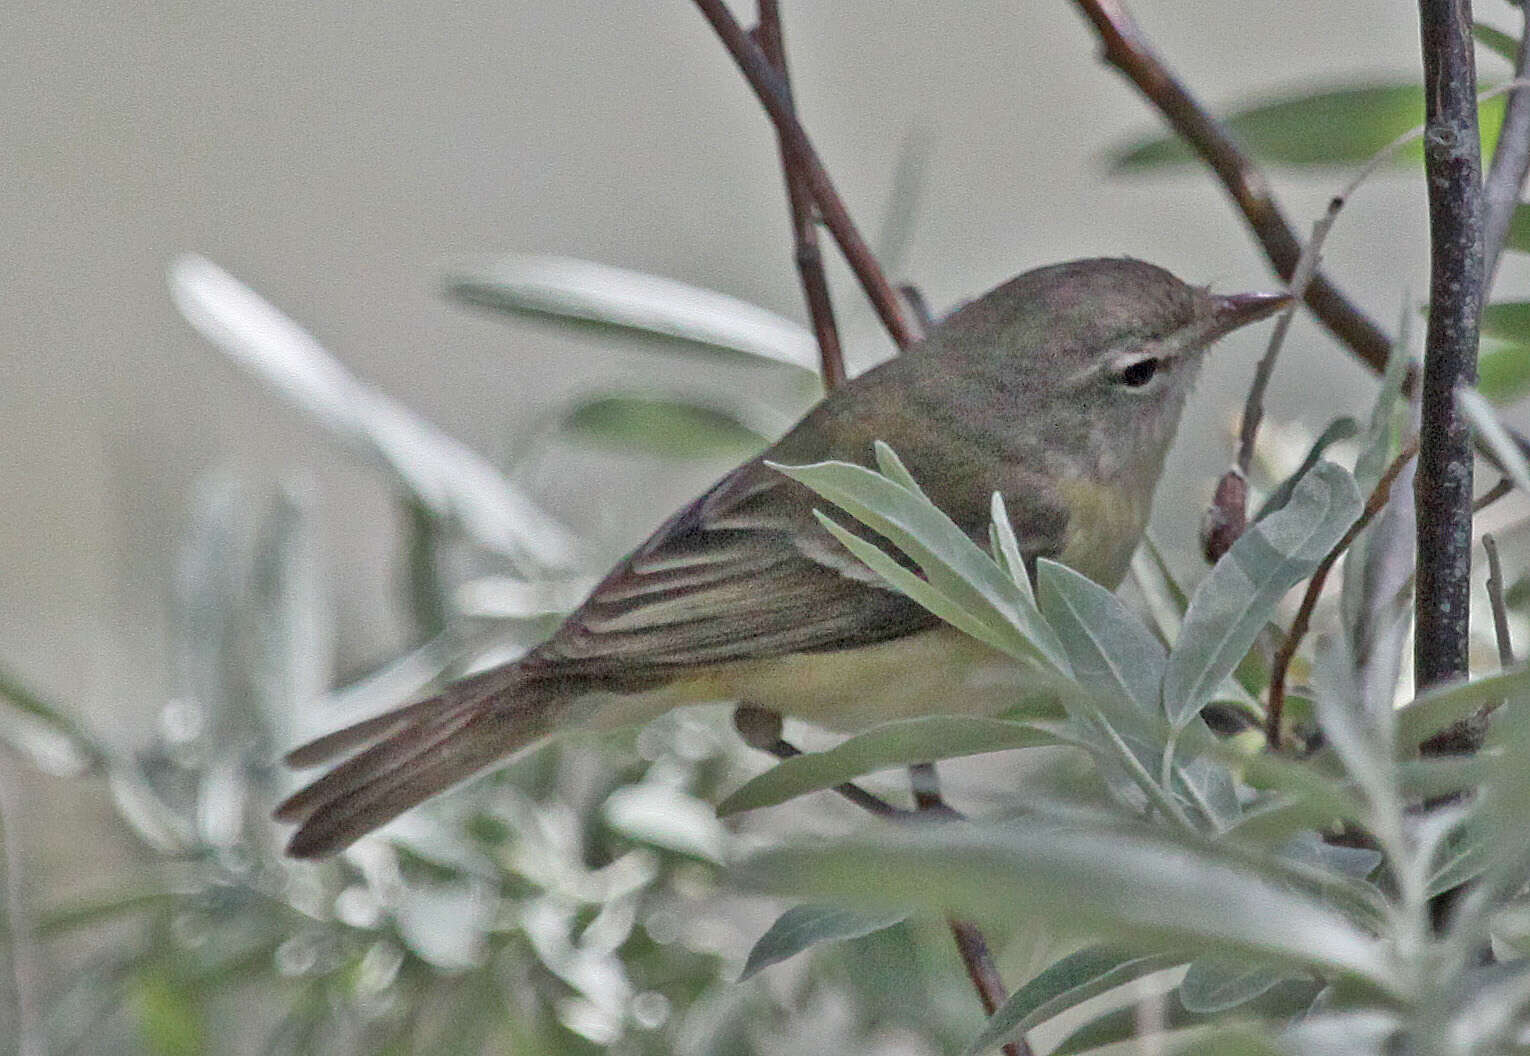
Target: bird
1061, 390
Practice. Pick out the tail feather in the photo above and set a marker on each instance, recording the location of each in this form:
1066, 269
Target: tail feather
420, 749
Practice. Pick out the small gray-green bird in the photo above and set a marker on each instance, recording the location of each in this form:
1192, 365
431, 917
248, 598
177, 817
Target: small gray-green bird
1060, 389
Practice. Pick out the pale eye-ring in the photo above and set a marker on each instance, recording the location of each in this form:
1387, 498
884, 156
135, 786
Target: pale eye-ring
1139, 372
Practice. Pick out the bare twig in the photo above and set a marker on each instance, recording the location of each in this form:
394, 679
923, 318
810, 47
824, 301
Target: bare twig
772, 93
815, 285
1280, 667
1495, 599
1443, 490
1127, 49
1511, 162
1493, 494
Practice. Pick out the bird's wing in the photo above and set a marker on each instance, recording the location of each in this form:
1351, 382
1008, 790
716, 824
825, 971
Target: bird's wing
745, 572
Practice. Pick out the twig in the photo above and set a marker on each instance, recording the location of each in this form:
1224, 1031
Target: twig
1443, 489
815, 285
970, 943
784, 749
1493, 494
771, 91
1127, 49
1374, 504
1495, 599
1511, 162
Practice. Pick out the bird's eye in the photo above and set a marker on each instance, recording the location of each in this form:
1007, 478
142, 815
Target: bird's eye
1140, 373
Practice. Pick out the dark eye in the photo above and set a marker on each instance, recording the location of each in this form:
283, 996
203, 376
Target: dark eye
1140, 372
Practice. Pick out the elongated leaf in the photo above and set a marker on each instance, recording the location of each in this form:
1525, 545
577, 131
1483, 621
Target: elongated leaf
1435, 710
1138, 885
566, 288
1496, 41
54, 742
1503, 371
894, 744
1065, 985
952, 563
1507, 320
1108, 647
440, 472
1214, 985
1238, 597
670, 428
804, 926
1338, 429
1171, 1022
1343, 125
1166, 601
1491, 431
1518, 238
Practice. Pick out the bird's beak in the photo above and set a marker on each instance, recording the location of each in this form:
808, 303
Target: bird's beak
1230, 311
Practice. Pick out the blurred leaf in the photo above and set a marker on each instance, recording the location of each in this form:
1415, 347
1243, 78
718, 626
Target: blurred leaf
1215, 985
1508, 321
1065, 985
1436, 709
1166, 601
1338, 429
667, 427
1335, 126
1491, 432
1158, 1028
894, 744
1518, 238
1497, 41
1236, 599
1137, 885
1232, 1041
60, 921
667, 817
1365, 742
170, 1020
1503, 371
804, 926
973, 593
54, 742
443, 474
566, 288
1108, 647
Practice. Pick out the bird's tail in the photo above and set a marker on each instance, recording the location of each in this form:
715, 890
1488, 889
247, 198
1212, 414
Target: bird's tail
414, 752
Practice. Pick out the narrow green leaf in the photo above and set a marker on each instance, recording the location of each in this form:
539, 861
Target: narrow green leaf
1335, 126
1497, 41
1108, 647
1213, 984
51, 739
894, 744
1066, 984
1008, 547
804, 926
1137, 885
1503, 371
1519, 230
1338, 429
1234, 602
621, 299
1507, 320
1433, 711
663, 426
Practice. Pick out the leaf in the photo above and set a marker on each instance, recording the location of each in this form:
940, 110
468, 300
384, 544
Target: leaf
1215, 985
1236, 599
1518, 238
1439, 708
566, 288
1166, 601
442, 474
1338, 429
1335, 126
804, 926
54, 742
894, 744
1507, 320
1136, 884
1497, 41
1066, 984
667, 427
997, 610
1503, 371
1108, 648
1170, 1022
1491, 432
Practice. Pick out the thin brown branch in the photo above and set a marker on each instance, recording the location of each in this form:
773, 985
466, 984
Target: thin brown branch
1127, 49
1443, 489
1498, 491
1281, 666
1496, 600
809, 259
770, 89
1511, 162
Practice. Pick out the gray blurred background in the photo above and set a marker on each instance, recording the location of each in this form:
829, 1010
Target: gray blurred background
337, 158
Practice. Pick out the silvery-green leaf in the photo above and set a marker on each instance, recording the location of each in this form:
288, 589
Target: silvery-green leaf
566, 288
1166, 602
54, 742
1108, 648
1337, 430
1438, 708
803, 926
440, 472
1214, 984
1496, 41
1160, 1022
894, 744
667, 426
1491, 432
1236, 599
667, 817
1140, 885
1065, 985
1364, 741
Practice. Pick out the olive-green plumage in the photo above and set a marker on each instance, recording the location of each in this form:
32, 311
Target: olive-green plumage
1060, 389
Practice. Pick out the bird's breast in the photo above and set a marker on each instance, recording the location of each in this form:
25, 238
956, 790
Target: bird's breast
1105, 524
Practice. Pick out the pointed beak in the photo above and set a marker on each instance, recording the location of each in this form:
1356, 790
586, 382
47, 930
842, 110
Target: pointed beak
1230, 311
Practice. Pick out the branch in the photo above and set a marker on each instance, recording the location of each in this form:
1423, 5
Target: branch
1496, 600
1443, 488
1511, 162
773, 95
1374, 504
1128, 50
815, 286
